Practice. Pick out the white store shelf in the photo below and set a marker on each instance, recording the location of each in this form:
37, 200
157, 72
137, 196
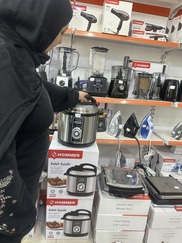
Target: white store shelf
165, 135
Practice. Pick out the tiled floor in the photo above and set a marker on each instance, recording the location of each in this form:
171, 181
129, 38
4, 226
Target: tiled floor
40, 232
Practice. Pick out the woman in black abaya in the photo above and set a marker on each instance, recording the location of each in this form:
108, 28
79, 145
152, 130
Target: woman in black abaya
28, 30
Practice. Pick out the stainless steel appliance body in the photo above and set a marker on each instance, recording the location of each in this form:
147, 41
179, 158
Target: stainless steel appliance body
77, 127
77, 223
81, 179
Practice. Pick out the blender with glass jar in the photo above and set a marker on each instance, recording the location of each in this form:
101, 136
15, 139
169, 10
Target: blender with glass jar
67, 59
97, 84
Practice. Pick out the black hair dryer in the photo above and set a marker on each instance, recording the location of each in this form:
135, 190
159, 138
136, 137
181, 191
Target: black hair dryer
91, 19
122, 15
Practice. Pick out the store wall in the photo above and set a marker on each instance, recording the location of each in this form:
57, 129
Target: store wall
163, 116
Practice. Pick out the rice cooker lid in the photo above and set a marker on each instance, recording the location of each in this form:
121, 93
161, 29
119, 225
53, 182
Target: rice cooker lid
80, 214
78, 217
82, 173
84, 109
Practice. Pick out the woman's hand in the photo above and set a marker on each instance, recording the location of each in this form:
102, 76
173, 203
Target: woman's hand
82, 96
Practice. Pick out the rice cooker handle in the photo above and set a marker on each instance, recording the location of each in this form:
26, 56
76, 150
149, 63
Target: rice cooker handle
94, 168
72, 213
80, 168
86, 212
89, 97
76, 213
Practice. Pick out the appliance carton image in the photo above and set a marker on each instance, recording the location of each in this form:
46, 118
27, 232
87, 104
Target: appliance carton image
71, 171
68, 218
116, 17
80, 182
86, 18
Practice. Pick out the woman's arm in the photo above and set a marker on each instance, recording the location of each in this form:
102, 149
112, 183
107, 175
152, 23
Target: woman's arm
63, 97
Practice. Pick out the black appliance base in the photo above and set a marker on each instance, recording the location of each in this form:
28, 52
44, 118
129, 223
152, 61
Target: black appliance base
79, 235
80, 194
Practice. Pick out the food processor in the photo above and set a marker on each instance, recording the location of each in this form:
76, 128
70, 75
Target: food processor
67, 59
120, 80
97, 83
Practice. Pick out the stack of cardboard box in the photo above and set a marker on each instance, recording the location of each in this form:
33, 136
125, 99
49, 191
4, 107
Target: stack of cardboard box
119, 219
70, 191
148, 30
164, 224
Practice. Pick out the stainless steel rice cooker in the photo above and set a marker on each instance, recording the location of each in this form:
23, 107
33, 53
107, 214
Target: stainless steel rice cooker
77, 223
81, 179
77, 126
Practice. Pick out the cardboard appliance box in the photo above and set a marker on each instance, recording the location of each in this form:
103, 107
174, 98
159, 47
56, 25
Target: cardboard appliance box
163, 235
61, 159
176, 149
86, 18
165, 217
120, 222
136, 205
116, 17
174, 29
147, 30
165, 161
179, 30
148, 66
110, 236
58, 215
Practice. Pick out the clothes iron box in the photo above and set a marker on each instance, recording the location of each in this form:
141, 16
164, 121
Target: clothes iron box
86, 18
71, 171
135, 205
116, 17
165, 161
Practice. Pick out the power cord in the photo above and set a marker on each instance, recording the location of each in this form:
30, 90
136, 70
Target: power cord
139, 150
150, 153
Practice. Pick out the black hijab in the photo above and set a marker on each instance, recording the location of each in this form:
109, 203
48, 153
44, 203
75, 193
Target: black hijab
26, 27
34, 23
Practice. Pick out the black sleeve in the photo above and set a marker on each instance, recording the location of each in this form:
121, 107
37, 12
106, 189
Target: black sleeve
61, 97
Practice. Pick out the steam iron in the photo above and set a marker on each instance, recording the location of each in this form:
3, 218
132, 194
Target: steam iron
131, 126
177, 131
146, 127
115, 125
